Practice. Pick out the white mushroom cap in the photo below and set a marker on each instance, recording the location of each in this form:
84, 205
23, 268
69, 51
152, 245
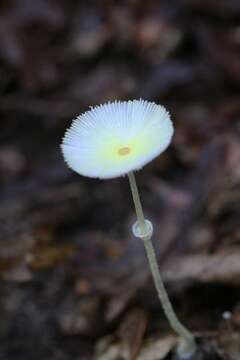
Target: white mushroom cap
115, 138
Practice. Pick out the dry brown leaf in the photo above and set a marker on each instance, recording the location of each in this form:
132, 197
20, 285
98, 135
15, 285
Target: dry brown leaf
117, 304
108, 348
132, 331
153, 350
158, 350
222, 267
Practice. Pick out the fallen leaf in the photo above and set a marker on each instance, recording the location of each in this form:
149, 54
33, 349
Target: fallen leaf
222, 267
131, 332
158, 349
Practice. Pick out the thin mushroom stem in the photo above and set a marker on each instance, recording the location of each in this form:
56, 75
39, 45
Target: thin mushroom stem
187, 343
137, 201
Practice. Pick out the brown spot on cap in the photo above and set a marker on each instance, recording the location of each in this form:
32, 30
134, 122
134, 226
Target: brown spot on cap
124, 151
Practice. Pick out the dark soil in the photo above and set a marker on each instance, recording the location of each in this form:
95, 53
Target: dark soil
72, 276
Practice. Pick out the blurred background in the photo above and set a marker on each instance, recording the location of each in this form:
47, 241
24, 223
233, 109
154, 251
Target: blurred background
74, 282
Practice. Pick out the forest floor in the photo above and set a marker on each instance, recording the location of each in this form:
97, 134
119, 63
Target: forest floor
74, 282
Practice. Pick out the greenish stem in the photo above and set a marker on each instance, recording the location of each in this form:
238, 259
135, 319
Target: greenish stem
137, 201
187, 344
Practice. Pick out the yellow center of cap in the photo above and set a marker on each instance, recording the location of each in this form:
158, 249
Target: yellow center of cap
124, 151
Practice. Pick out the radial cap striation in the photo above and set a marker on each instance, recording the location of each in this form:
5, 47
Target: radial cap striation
113, 139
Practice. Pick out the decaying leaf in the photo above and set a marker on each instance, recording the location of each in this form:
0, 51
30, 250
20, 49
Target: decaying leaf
153, 350
222, 267
158, 349
131, 332
71, 273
